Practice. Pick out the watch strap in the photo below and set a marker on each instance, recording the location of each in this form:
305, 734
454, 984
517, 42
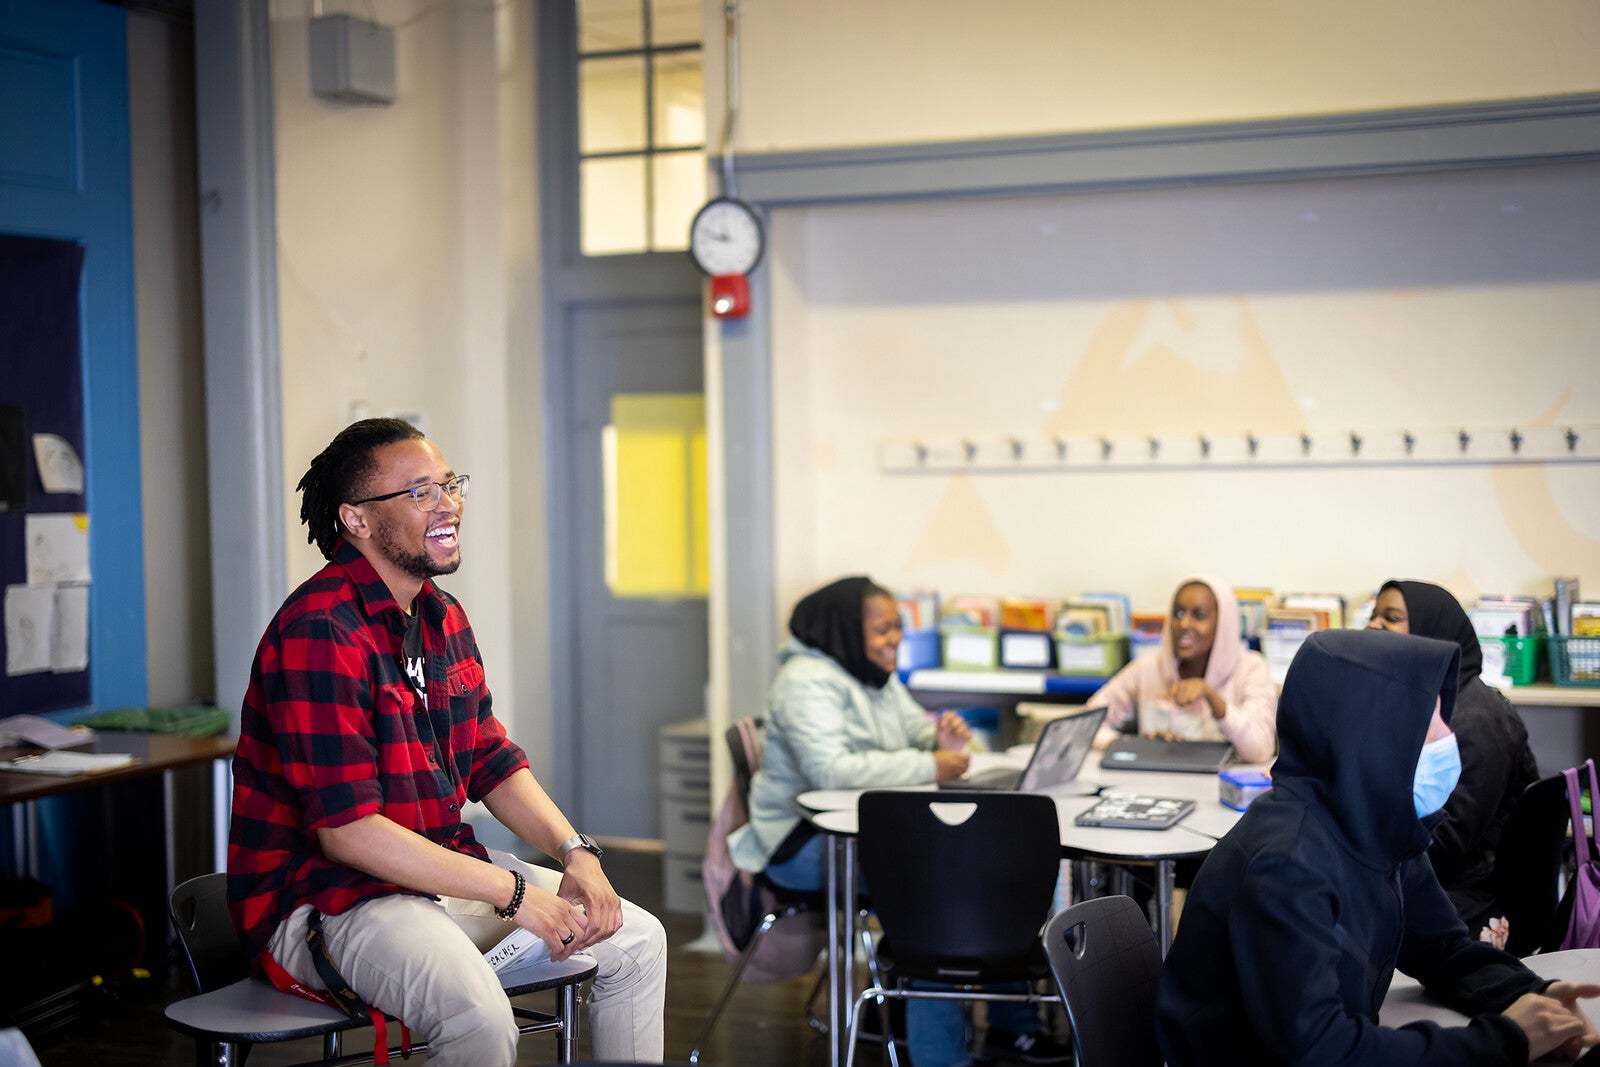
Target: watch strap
577, 841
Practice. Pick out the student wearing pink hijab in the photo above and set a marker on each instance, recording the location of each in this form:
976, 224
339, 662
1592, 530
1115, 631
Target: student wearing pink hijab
1201, 684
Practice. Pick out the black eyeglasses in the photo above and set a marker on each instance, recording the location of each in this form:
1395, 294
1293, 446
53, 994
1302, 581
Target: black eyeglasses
427, 495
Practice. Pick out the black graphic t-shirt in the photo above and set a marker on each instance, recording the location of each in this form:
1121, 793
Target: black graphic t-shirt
416, 656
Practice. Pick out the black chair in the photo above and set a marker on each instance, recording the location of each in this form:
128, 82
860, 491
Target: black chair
232, 1012
1528, 870
961, 887
1107, 964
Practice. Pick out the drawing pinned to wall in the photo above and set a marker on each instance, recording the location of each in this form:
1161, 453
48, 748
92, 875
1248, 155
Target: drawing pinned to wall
1174, 367
60, 469
961, 529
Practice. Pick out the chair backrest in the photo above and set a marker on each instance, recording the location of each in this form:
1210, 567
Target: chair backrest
961, 886
200, 915
744, 747
1107, 965
1527, 866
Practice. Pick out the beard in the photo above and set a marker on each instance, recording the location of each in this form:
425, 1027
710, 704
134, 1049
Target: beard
418, 565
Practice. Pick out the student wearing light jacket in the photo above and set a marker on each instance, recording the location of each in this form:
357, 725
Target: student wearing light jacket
1201, 684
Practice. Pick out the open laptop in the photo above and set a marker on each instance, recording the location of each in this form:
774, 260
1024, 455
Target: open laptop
1062, 747
1132, 753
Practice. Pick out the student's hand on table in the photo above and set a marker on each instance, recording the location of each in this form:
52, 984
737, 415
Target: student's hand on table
948, 764
1569, 993
954, 733
552, 919
1550, 1023
1164, 735
586, 885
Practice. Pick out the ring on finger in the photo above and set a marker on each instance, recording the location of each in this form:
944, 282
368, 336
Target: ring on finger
568, 939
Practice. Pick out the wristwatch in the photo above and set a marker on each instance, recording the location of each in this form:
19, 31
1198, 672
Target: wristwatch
577, 841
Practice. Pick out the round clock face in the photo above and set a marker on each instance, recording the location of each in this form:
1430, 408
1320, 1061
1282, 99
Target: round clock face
726, 237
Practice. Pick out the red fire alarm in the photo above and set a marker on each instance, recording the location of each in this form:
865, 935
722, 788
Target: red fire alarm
730, 296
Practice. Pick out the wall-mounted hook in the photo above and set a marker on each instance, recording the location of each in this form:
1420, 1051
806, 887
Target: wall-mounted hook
969, 450
1016, 447
1410, 440
1305, 444
1572, 439
1061, 449
1355, 444
1253, 443
1516, 442
1105, 448
1464, 439
1155, 447
922, 452
1205, 447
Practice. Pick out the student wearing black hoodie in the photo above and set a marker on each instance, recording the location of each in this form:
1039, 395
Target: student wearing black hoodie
1496, 762
1299, 917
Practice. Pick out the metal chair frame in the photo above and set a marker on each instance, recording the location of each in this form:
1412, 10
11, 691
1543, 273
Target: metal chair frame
229, 1014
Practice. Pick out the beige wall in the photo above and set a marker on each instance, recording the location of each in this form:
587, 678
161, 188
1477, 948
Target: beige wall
1381, 304
836, 73
408, 282
172, 428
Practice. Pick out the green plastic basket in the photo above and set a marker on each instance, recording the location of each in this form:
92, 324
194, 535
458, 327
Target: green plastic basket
1574, 660
1522, 657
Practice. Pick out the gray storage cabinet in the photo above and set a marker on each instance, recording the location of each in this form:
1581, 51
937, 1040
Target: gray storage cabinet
685, 813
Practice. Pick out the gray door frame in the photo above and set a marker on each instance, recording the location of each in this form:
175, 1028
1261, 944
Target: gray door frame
572, 280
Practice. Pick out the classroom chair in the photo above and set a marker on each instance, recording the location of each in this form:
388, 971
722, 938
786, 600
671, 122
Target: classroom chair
232, 1012
743, 739
960, 886
1107, 963
1528, 872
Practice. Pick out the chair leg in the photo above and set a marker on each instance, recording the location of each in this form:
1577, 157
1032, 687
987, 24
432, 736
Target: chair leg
217, 1054
812, 1021
855, 1021
745, 957
567, 1008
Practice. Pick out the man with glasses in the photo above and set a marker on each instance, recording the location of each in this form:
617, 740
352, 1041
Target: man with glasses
366, 727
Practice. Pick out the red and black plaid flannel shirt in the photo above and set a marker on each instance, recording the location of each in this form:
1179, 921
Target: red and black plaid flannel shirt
332, 732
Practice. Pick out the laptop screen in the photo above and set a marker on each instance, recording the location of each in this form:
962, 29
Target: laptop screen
1062, 747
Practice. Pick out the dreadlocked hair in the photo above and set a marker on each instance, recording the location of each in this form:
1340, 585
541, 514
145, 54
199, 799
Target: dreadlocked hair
340, 471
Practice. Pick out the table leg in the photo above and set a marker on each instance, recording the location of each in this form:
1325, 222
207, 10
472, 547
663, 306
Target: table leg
221, 803
837, 988
1166, 875
847, 924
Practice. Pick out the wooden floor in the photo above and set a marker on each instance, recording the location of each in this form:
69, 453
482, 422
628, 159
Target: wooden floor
764, 1026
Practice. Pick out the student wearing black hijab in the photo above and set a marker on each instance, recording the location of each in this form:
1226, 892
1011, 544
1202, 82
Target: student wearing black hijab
838, 717
1301, 914
1496, 762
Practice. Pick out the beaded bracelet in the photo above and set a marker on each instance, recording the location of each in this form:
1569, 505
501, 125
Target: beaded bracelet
509, 912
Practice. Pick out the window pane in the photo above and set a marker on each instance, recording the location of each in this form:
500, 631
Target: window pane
612, 205
680, 179
674, 21
653, 467
610, 25
680, 113
611, 105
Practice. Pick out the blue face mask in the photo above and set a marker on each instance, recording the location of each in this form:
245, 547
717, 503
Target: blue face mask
1438, 771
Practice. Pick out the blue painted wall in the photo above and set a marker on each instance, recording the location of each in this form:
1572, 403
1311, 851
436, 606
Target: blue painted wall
64, 173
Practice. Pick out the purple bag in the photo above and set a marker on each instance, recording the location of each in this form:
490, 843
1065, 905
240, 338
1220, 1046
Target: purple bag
1583, 931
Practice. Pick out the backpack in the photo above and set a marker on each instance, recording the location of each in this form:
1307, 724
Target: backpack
740, 900
1583, 928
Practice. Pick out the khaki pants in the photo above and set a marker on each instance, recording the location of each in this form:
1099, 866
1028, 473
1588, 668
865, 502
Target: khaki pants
422, 961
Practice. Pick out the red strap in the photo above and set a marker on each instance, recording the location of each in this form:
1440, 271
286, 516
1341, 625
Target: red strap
285, 982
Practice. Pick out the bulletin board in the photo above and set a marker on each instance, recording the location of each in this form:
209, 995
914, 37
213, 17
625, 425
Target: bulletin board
41, 392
